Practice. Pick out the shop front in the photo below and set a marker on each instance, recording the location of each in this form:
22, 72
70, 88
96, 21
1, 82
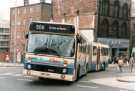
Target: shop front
118, 47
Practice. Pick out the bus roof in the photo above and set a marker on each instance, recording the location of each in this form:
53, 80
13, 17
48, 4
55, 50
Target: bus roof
100, 44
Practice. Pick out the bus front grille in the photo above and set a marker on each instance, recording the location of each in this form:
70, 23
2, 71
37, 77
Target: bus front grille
48, 68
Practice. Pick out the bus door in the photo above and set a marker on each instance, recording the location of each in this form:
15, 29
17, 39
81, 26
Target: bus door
98, 59
94, 58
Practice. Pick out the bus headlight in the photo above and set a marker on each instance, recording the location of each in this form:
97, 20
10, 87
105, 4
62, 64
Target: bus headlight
65, 63
29, 66
64, 70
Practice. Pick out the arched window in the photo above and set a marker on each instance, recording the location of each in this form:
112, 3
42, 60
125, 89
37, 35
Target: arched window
104, 7
124, 33
116, 8
125, 11
104, 28
114, 30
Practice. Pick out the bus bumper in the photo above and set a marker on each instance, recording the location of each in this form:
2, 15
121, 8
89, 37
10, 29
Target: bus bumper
49, 75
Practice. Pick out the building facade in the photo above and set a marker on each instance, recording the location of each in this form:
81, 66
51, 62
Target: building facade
114, 25
20, 18
109, 19
133, 25
4, 41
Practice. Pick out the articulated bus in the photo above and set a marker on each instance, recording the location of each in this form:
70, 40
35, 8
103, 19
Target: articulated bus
55, 51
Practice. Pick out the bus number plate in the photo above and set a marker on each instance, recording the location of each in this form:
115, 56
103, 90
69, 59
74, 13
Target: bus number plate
45, 74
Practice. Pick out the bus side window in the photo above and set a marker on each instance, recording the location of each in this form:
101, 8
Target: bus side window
87, 49
106, 51
84, 48
80, 48
73, 50
102, 52
94, 50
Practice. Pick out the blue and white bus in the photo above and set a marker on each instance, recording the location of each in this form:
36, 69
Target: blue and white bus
55, 51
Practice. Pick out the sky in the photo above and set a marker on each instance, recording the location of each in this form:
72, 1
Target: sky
6, 4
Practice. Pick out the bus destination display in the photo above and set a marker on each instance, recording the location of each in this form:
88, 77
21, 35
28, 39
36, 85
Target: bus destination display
54, 28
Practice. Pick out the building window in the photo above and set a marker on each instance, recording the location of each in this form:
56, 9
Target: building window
124, 33
104, 7
18, 11
125, 11
114, 30
116, 8
25, 10
31, 10
13, 11
104, 27
18, 23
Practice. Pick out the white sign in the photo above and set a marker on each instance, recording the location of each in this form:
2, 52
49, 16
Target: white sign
115, 43
88, 35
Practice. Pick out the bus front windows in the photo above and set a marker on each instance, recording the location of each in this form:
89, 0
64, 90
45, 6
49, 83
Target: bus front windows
51, 44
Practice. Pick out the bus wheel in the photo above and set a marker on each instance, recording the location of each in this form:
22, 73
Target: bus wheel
78, 73
104, 66
87, 68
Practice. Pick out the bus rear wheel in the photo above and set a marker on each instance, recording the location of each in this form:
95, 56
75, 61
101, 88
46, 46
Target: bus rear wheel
104, 66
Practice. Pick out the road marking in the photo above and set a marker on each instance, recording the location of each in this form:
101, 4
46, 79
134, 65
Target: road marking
6, 74
84, 86
85, 81
3, 77
11, 74
24, 80
122, 90
18, 75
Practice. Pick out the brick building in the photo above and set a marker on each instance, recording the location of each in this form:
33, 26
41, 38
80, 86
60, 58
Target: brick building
109, 19
4, 40
20, 18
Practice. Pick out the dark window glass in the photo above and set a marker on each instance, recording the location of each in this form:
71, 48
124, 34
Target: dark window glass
124, 33
113, 33
116, 8
125, 11
104, 7
104, 28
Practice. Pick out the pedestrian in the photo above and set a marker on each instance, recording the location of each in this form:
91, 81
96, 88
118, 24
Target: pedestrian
7, 58
131, 62
120, 63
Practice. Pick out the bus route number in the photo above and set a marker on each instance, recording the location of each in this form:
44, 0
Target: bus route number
40, 27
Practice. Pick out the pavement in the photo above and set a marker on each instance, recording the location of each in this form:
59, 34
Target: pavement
126, 75
10, 64
114, 78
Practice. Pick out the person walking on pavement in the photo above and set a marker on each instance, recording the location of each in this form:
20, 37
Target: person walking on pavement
120, 63
131, 62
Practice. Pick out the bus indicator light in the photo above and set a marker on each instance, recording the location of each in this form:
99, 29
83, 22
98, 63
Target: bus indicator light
63, 76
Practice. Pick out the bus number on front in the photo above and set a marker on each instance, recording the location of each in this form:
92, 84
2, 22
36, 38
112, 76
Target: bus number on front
40, 27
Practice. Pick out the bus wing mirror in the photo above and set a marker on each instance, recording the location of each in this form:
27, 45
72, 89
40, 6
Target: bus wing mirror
26, 36
78, 39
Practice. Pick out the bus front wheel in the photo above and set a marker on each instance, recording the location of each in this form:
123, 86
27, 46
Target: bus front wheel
78, 73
